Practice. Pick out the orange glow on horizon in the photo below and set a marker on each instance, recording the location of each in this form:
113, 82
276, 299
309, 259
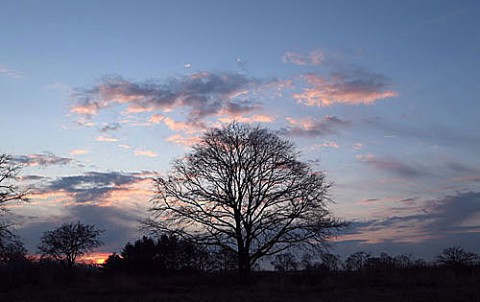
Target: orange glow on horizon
94, 258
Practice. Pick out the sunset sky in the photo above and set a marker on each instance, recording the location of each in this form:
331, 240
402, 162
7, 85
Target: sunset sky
383, 96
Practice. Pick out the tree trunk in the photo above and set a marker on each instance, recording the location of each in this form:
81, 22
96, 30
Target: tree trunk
244, 268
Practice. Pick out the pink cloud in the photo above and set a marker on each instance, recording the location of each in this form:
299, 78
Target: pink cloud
183, 140
186, 127
42, 160
200, 94
78, 152
86, 109
351, 88
146, 153
156, 118
256, 118
107, 139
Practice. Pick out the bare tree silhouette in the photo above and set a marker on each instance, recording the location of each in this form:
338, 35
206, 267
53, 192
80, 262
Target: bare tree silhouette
9, 191
456, 256
69, 241
285, 262
242, 188
11, 248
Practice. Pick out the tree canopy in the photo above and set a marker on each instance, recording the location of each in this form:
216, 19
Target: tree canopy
244, 189
69, 241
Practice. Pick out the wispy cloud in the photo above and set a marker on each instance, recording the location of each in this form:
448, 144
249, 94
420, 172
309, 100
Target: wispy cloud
358, 146
10, 72
146, 153
42, 160
125, 146
189, 127
314, 57
330, 144
352, 87
78, 152
453, 214
312, 127
256, 118
110, 127
408, 169
395, 166
107, 139
187, 141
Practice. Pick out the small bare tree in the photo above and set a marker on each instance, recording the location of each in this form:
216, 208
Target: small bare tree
285, 262
69, 241
456, 256
243, 189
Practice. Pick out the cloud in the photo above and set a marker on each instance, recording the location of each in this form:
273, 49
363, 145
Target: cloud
146, 153
256, 118
110, 127
90, 187
352, 87
187, 141
188, 127
31, 177
470, 178
330, 144
113, 201
455, 213
394, 166
9, 72
358, 146
200, 94
449, 171
434, 134
313, 127
120, 224
107, 139
443, 219
125, 146
315, 57
78, 152
156, 118
42, 160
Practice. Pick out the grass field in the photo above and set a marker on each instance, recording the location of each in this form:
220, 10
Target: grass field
419, 285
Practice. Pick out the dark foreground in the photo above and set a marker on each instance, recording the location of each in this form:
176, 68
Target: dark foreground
91, 285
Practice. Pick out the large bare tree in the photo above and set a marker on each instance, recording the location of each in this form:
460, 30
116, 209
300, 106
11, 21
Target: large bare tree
242, 188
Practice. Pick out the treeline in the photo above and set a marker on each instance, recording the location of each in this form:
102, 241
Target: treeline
166, 255
360, 261
169, 254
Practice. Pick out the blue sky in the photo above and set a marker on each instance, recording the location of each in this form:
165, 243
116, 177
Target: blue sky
98, 96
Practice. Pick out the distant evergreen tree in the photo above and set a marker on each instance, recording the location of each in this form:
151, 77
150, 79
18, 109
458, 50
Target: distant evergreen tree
168, 254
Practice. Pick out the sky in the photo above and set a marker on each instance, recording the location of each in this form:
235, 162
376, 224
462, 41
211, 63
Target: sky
98, 97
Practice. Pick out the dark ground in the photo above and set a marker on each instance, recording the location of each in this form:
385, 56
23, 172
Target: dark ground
419, 285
